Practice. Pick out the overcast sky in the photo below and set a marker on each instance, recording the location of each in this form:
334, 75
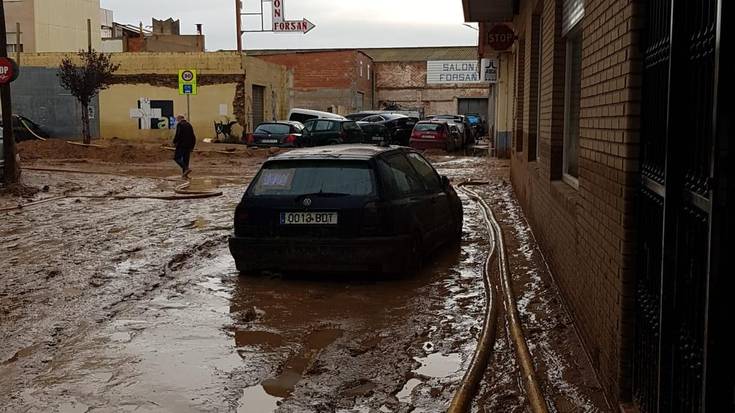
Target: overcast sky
339, 23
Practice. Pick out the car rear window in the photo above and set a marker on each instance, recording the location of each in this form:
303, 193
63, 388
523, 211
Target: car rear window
275, 128
293, 178
428, 127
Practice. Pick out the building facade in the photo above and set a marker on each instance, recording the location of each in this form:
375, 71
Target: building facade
403, 78
144, 97
619, 157
339, 81
52, 25
350, 80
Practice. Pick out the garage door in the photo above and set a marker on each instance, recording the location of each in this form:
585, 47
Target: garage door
473, 106
258, 105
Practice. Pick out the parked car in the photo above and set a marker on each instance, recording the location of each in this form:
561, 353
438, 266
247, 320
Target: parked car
302, 115
283, 134
436, 134
319, 132
399, 126
362, 114
462, 123
344, 208
374, 132
477, 124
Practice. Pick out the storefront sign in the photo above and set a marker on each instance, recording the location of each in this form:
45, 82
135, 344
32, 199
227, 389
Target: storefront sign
489, 70
452, 71
281, 25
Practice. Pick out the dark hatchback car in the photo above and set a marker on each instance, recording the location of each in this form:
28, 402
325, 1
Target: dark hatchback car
318, 132
282, 134
344, 208
436, 134
399, 126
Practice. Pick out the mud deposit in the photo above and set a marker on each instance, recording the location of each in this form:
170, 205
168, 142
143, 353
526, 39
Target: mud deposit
135, 305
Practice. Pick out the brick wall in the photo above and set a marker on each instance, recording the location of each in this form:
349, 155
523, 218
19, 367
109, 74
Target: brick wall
330, 78
587, 233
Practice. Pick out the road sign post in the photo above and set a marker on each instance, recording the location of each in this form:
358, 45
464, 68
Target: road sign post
188, 87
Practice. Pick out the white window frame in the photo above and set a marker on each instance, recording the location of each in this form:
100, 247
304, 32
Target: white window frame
360, 68
566, 177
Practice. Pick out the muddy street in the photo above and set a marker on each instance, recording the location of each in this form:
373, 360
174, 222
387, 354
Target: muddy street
135, 305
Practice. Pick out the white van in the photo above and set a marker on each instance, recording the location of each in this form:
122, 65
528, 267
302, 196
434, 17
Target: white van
302, 115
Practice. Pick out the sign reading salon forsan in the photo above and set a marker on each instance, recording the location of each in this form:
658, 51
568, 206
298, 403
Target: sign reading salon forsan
452, 71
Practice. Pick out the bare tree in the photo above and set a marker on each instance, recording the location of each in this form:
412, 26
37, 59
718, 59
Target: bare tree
86, 80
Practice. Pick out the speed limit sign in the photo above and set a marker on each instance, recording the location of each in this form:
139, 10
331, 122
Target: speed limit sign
187, 82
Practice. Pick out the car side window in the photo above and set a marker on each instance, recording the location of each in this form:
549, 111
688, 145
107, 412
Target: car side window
387, 179
351, 126
428, 174
407, 180
322, 125
309, 126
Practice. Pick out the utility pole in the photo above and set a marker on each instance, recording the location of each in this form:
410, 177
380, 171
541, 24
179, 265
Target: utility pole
18, 43
11, 168
89, 35
238, 16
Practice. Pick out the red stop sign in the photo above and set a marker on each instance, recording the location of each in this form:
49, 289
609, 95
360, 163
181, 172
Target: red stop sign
8, 70
500, 37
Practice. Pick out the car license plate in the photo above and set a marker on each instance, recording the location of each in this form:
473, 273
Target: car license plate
270, 141
428, 136
377, 138
309, 218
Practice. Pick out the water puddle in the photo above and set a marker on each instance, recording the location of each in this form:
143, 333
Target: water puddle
284, 383
438, 365
404, 396
256, 400
258, 338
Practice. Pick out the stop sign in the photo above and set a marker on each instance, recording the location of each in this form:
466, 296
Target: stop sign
500, 37
8, 70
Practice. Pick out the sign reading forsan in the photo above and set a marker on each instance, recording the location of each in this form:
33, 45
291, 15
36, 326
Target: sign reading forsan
452, 71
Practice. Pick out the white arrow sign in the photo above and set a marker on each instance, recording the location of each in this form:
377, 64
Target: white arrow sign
292, 26
281, 25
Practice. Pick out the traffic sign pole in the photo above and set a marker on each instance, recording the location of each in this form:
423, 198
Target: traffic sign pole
11, 168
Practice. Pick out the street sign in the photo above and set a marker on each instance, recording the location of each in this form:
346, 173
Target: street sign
281, 25
8, 70
452, 71
489, 70
500, 37
188, 82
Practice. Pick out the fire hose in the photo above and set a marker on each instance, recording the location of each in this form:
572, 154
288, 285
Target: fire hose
463, 397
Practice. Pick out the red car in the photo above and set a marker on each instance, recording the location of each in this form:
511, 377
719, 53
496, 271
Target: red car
436, 134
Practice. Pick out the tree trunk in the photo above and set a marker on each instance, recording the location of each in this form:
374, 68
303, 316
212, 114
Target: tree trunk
86, 133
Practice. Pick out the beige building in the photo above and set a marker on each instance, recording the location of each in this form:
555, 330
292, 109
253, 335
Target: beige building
52, 25
144, 97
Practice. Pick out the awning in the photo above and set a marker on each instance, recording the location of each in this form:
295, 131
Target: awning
488, 10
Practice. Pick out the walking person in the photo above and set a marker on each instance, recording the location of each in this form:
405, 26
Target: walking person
184, 140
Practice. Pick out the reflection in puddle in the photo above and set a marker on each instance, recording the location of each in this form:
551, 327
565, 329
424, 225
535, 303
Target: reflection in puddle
438, 365
404, 396
256, 400
284, 383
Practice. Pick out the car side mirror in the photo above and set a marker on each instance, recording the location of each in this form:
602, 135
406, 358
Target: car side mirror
445, 182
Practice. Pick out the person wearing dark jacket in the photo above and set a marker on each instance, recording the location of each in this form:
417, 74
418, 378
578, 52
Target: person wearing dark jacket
184, 140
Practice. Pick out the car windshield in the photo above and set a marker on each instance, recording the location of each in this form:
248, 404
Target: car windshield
294, 178
274, 128
428, 127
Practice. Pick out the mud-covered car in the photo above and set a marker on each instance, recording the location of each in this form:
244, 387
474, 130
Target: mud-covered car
344, 208
283, 134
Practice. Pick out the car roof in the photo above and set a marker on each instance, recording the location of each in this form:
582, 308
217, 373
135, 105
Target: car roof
343, 152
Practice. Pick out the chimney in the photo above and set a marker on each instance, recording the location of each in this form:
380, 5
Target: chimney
199, 29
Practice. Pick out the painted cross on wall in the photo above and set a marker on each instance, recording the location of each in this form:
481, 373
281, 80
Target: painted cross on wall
154, 114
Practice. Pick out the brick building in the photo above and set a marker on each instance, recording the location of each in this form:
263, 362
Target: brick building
339, 81
619, 159
348, 80
401, 78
